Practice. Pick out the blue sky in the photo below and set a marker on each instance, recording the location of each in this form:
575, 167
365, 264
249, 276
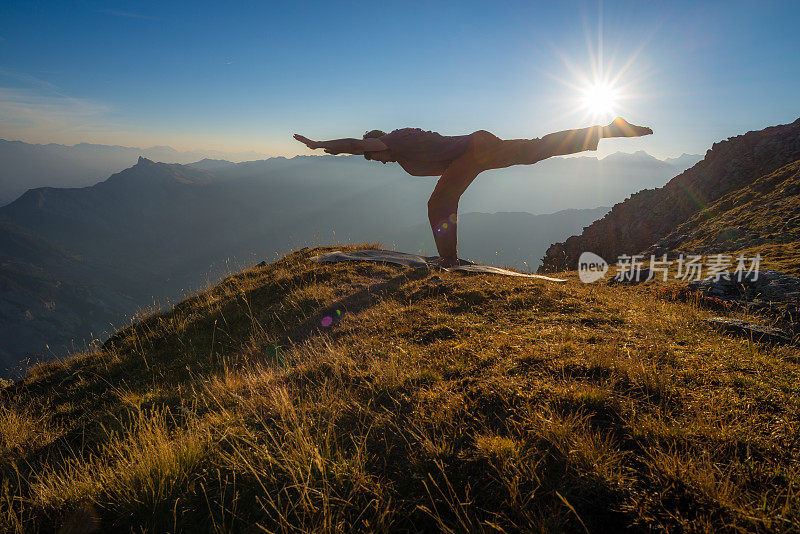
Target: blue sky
239, 76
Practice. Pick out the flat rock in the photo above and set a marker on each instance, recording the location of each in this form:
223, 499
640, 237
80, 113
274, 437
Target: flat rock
382, 256
416, 261
750, 330
488, 269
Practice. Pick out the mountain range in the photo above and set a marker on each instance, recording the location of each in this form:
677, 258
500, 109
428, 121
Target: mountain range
28, 166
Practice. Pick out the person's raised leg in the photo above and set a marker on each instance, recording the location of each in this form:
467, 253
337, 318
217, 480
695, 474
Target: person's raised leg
528, 151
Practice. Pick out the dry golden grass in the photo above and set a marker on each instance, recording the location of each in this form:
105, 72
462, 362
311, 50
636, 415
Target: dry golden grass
434, 401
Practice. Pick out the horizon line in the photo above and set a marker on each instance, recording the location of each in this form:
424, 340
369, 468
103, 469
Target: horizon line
287, 156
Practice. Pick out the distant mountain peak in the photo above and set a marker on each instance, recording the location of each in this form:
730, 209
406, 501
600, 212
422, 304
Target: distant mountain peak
639, 155
150, 172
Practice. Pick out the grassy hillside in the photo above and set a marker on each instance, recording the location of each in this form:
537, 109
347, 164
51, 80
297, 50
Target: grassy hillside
762, 218
648, 216
431, 400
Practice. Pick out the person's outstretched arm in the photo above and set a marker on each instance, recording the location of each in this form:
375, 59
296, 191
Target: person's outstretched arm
344, 146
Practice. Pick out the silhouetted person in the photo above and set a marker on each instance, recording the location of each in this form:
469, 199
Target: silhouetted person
459, 159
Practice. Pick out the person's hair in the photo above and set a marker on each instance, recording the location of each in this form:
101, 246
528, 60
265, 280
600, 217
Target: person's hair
370, 135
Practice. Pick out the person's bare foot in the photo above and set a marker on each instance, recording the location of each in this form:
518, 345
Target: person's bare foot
445, 263
619, 127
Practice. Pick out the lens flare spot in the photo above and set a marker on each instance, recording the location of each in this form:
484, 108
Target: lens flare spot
327, 321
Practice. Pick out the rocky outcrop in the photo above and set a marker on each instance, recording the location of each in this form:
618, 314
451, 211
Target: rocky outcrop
641, 220
764, 213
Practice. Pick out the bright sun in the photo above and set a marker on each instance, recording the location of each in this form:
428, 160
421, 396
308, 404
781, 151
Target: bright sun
600, 99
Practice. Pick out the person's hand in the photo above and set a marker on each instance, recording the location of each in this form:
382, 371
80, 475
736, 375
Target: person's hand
308, 142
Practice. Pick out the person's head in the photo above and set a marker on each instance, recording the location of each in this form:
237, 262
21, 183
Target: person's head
384, 156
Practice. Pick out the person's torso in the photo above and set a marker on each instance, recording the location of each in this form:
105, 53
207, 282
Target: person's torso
424, 153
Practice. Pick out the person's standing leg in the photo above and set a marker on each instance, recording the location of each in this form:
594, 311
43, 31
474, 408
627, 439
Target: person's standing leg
443, 205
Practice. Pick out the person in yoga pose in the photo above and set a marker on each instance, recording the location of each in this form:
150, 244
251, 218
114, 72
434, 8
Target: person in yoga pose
459, 159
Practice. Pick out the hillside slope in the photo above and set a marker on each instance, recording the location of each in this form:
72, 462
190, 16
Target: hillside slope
763, 218
357, 396
649, 215
51, 301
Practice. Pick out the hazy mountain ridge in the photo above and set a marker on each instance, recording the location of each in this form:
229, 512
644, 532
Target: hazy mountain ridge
684, 161
50, 299
647, 216
28, 166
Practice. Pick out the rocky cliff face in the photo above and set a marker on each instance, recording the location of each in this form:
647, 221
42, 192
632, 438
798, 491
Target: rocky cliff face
643, 219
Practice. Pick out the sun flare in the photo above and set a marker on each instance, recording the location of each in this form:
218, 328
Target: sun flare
600, 99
